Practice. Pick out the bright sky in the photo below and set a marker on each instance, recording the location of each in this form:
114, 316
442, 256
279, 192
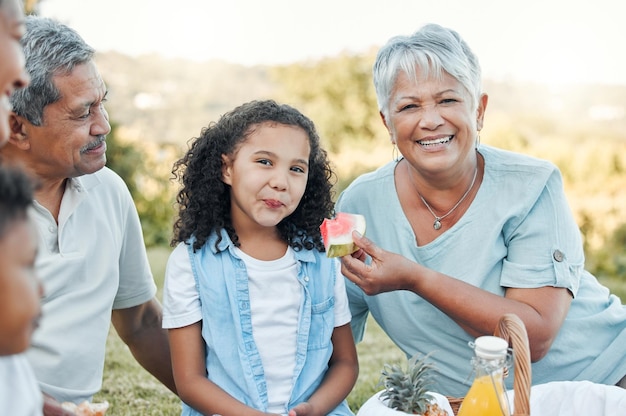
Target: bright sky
552, 41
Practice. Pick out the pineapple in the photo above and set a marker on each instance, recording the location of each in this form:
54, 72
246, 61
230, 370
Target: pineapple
407, 390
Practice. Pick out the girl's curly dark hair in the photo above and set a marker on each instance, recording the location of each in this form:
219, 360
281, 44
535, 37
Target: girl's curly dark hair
204, 200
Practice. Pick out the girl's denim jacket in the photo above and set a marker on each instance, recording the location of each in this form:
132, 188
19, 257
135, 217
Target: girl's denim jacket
233, 361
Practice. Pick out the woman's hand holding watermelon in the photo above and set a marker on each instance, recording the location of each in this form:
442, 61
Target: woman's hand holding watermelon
387, 271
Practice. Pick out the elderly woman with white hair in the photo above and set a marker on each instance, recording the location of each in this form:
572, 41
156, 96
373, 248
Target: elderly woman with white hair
459, 233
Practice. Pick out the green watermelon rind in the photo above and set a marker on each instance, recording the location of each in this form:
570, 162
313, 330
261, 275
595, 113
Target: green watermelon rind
340, 250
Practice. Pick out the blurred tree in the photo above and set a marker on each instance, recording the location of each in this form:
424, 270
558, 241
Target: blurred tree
146, 171
337, 93
609, 261
123, 158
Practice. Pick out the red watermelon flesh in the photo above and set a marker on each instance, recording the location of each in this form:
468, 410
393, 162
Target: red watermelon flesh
337, 233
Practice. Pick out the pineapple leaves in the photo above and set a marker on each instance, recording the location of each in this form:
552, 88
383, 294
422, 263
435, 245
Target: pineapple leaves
407, 389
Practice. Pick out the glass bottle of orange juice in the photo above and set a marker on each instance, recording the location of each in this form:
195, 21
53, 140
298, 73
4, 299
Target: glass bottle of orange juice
487, 395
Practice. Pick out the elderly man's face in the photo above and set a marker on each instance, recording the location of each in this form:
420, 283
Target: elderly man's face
71, 140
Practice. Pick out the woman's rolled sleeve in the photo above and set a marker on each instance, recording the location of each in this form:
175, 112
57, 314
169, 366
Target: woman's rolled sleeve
545, 249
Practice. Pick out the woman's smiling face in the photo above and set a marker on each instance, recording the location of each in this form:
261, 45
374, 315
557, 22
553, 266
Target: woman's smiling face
432, 120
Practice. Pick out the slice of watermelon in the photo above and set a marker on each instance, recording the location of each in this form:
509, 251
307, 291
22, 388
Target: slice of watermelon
337, 233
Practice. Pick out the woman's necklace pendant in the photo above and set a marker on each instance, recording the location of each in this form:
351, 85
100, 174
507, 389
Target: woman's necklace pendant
437, 223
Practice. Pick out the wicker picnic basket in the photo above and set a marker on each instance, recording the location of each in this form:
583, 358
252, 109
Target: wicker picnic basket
512, 329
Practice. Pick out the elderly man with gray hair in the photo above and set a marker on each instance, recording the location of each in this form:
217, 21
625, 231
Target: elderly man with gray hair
92, 258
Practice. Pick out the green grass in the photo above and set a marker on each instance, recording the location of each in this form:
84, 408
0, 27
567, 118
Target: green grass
129, 389
132, 391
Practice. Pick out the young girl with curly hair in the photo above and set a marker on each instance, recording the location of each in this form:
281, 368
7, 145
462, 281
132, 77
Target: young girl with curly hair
257, 314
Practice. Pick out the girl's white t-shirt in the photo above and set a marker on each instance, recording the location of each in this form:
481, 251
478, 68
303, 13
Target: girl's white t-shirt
275, 298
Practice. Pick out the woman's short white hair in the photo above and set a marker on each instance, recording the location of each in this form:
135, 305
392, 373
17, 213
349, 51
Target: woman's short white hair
433, 50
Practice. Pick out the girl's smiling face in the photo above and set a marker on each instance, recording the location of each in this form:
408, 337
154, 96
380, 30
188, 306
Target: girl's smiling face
268, 174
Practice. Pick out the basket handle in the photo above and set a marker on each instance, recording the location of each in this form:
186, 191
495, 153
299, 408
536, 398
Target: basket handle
512, 329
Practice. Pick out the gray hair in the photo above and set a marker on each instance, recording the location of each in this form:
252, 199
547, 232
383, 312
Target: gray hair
50, 48
434, 50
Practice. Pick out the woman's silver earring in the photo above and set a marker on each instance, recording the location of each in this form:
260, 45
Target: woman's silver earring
478, 141
395, 153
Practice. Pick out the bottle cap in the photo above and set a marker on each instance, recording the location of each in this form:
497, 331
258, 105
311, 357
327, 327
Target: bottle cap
490, 347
